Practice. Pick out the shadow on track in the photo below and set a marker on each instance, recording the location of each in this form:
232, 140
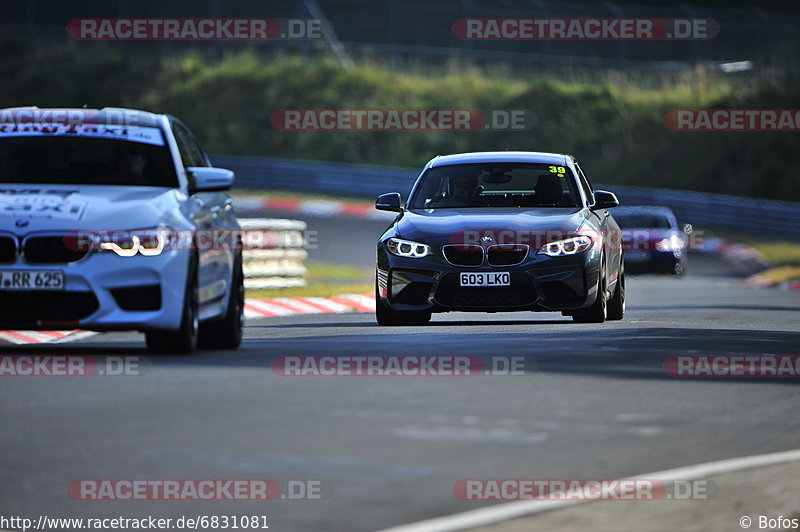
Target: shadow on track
635, 353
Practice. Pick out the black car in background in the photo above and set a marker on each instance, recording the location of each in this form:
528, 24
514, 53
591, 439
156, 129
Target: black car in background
498, 232
652, 239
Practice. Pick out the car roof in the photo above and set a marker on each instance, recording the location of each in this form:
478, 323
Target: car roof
499, 157
106, 115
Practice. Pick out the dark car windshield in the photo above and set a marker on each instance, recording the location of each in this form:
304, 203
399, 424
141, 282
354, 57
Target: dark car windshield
496, 185
87, 159
642, 220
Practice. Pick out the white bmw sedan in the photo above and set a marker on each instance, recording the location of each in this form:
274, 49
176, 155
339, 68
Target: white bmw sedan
114, 219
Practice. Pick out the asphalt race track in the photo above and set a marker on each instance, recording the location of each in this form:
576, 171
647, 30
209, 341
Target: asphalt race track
595, 402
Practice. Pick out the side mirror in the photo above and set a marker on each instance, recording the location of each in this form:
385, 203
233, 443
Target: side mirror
388, 202
205, 179
604, 200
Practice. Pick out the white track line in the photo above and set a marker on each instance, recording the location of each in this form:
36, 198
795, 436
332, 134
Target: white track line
512, 510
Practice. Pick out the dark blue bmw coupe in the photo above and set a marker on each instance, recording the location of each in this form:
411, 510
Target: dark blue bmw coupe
498, 232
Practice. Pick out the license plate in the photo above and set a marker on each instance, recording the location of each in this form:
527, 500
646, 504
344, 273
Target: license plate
31, 280
637, 256
485, 279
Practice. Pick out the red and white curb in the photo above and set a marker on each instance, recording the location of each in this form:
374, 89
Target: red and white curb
311, 207
287, 306
253, 308
42, 337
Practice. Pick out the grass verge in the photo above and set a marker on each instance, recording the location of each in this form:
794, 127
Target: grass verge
324, 279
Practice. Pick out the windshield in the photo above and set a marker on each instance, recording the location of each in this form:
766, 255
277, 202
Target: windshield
496, 185
642, 221
91, 155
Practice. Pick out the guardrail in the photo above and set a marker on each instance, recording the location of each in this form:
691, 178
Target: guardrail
280, 264
363, 180
775, 219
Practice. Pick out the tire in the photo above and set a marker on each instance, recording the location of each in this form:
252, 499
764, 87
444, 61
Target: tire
184, 339
385, 315
226, 333
598, 312
616, 305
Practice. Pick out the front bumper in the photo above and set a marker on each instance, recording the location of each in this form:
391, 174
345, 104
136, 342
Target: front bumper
540, 283
102, 292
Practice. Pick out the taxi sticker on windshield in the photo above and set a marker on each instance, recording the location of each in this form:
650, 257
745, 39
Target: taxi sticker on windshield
145, 135
559, 170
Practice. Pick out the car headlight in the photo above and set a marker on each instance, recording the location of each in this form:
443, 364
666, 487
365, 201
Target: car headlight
672, 243
408, 248
568, 246
147, 242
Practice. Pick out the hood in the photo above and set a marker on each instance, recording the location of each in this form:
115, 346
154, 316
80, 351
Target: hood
503, 225
67, 207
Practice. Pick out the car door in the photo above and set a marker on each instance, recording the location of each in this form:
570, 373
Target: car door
205, 208
222, 220
610, 231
